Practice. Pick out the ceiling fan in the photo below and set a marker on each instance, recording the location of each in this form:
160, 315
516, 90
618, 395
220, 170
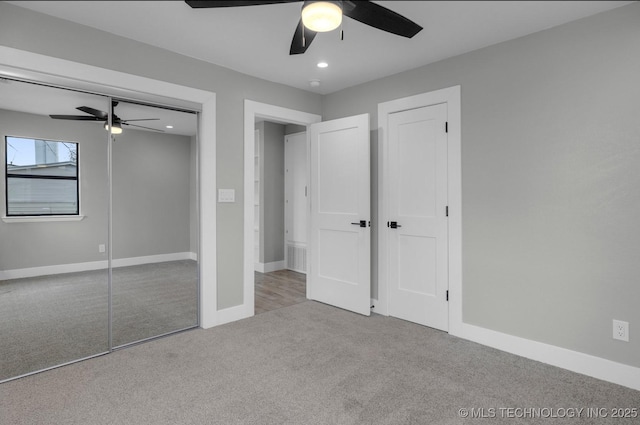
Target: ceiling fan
322, 16
96, 115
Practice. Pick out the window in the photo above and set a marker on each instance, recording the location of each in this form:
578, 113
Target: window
41, 177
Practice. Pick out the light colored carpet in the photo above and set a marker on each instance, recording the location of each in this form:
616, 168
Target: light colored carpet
304, 364
50, 320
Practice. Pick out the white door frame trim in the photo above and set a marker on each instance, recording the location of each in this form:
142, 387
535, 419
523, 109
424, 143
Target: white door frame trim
451, 97
253, 110
22, 64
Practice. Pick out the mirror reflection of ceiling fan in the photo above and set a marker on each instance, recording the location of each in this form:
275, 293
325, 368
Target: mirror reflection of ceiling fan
322, 16
96, 115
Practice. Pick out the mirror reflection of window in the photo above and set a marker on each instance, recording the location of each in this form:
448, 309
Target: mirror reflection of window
42, 177
54, 228
98, 229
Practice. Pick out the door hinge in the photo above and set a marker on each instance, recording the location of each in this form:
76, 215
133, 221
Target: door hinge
447, 295
446, 126
446, 210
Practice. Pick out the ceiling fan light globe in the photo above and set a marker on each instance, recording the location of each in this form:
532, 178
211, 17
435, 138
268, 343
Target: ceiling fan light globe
115, 130
321, 16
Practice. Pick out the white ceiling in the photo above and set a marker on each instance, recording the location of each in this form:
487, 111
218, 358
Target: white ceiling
255, 40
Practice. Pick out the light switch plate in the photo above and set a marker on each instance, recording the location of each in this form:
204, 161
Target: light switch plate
226, 195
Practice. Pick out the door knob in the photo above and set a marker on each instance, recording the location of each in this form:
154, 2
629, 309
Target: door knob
361, 223
393, 224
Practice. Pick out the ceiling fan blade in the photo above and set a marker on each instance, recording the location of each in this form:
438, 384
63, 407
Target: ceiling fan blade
94, 112
381, 18
142, 119
297, 45
140, 126
211, 4
75, 118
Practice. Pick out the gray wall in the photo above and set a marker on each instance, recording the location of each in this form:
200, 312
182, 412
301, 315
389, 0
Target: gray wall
550, 178
24, 245
151, 196
271, 191
550, 152
27, 30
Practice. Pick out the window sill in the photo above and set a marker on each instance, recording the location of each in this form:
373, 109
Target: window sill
43, 218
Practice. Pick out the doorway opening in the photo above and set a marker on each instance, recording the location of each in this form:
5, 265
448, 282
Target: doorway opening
280, 214
297, 122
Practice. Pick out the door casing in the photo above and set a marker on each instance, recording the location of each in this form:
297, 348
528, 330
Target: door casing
253, 110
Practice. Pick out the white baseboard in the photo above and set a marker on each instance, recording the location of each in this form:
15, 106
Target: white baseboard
149, 259
93, 265
50, 270
575, 361
596, 367
232, 314
270, 267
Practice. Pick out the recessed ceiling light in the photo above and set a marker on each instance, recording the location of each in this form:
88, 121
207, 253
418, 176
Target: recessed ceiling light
169, 126
322, 64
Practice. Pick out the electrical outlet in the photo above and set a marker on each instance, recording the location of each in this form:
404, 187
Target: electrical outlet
102, 248
621, 330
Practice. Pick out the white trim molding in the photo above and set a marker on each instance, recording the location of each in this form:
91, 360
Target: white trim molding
253, 110
596, 367
92, 265
27, 65
151, 259
53, 270
231, 314
41, 218
270, 267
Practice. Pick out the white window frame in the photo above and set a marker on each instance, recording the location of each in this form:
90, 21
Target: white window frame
16, 218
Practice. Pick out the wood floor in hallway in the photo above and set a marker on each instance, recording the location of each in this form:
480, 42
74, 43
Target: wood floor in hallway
279, 289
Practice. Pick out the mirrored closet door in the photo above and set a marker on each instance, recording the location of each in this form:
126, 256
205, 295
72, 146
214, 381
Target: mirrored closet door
99, 225
54, 228
154, 226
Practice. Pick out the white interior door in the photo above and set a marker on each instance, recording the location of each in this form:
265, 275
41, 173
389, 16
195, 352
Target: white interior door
339, 272
418, 240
